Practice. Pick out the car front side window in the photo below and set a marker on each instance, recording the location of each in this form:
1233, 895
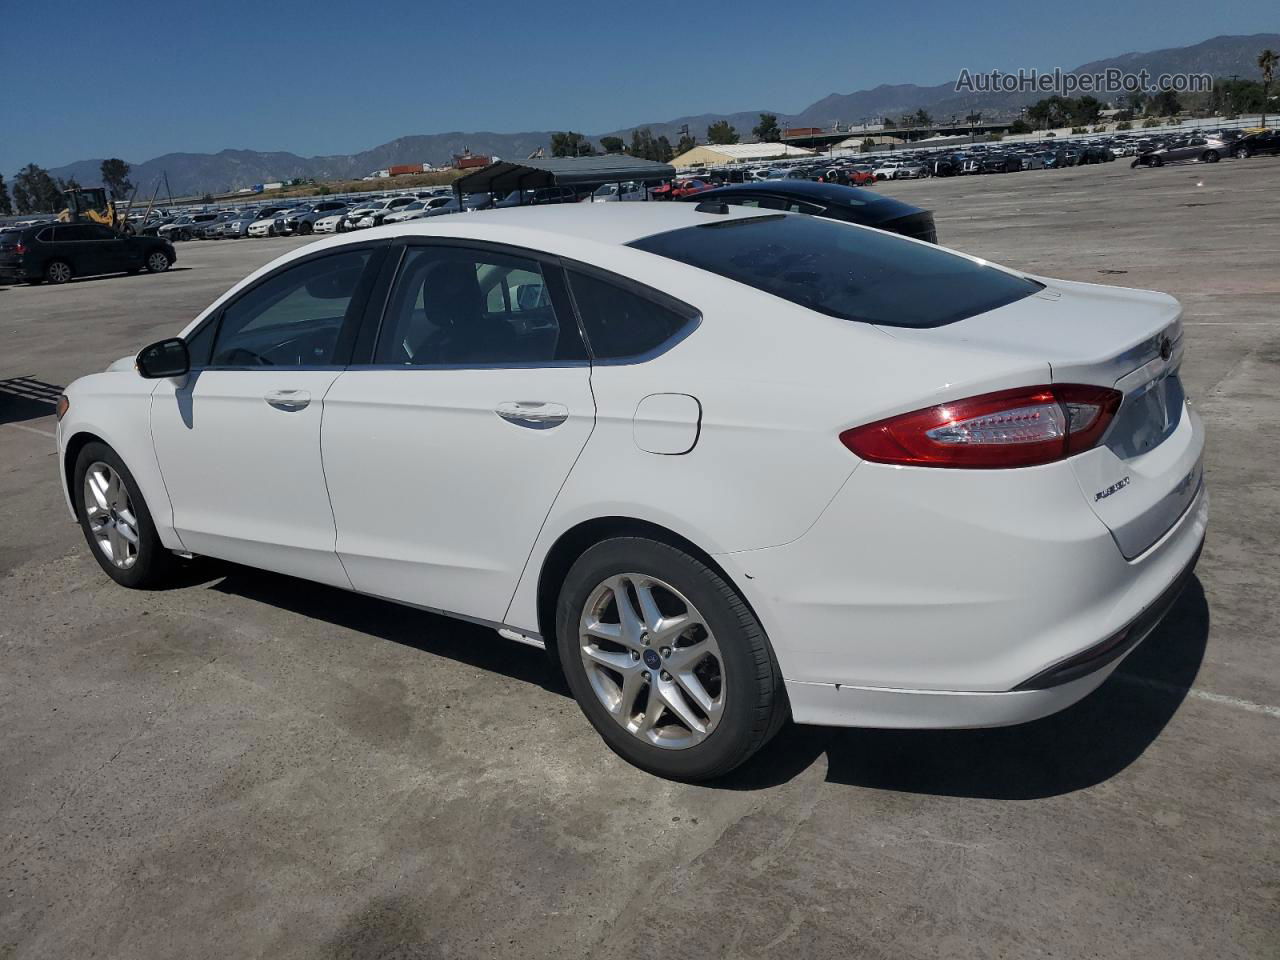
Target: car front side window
293, 318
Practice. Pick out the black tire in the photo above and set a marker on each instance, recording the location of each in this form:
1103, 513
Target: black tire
153, 263
305, 228
1243, 153
755, 701
154, 565
1157, 161
1210, 156
58, 271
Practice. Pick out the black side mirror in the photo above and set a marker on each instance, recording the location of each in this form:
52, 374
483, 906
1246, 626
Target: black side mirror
164, 358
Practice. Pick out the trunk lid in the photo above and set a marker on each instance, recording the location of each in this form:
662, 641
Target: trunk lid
1148, 469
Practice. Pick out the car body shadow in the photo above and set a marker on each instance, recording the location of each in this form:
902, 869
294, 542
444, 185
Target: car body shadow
1082, 746
475, 645
95, 278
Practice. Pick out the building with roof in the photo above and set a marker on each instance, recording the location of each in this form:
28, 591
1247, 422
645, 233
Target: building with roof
718, 154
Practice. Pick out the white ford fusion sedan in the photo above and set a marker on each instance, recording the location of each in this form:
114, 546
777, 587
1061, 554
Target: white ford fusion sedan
728, 466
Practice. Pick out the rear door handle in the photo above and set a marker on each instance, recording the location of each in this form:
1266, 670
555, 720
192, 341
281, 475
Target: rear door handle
288, 400
533, 414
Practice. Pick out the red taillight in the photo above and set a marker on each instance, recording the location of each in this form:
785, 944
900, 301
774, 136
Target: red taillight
20, 249
1012, 428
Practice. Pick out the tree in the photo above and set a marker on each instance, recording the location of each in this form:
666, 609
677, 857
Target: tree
115, 177
1267, 60
6, 205
687, 143
570, 144
1085, 110
35, 191
766, 131
1020, 126
868, 145
1165, 104
612, 144
722, 133
663, 152
922, 117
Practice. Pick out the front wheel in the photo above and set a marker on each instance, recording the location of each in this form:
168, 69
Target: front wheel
1242, 153
666, 660
157, 261
305, 228
116, 522
1210, 156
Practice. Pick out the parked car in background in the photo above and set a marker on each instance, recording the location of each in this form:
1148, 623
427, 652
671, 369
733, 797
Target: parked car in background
1255, 144
238, 226
1195, 149
1001, 163
213, 230
272, 225
612, 192
379, 211
538, 196
830, 200
1032, 161
302, 219
61, 252
184, 228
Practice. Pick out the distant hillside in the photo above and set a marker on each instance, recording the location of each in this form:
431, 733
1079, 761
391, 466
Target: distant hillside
1221, 57
232, 169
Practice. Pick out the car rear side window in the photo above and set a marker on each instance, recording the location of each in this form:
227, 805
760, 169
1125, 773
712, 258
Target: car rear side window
463, 306
844, 271
621, 324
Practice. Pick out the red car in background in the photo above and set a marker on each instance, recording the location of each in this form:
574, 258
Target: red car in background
849, 177
679, 189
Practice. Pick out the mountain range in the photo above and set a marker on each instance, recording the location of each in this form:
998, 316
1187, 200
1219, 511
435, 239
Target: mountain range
191, 173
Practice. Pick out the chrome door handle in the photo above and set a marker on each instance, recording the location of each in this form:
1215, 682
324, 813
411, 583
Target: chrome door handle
288, 400
533, 414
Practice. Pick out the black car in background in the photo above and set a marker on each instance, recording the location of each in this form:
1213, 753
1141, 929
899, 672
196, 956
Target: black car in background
538, 195
1253, 144
60, 251
830, 200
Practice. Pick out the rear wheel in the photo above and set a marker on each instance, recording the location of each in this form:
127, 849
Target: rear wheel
116, 522
157, 261
57, 271
1157, 161
666, 660
1242, 153
1210, 156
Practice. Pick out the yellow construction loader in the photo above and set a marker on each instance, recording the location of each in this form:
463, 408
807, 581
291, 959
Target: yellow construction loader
90, 204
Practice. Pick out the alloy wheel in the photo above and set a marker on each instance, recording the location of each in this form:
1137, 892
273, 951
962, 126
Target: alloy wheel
157, 262
652, 661
59, 272
110, 515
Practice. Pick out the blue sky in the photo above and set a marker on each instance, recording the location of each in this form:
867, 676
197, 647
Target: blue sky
138, 79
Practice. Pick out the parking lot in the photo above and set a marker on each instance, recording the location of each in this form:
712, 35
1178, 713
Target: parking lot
248, 765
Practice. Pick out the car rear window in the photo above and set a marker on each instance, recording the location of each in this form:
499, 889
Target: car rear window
842, 270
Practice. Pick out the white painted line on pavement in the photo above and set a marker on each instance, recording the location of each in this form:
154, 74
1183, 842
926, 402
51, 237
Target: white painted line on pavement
18, 426
1202, 695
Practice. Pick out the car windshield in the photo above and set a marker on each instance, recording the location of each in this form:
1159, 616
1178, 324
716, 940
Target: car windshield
844, 271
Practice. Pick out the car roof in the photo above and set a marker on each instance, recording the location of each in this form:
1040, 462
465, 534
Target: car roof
607, 223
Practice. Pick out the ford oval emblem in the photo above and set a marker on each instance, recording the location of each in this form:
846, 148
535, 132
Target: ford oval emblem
1166, 348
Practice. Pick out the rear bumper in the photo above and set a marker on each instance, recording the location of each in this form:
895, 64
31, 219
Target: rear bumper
924, 598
